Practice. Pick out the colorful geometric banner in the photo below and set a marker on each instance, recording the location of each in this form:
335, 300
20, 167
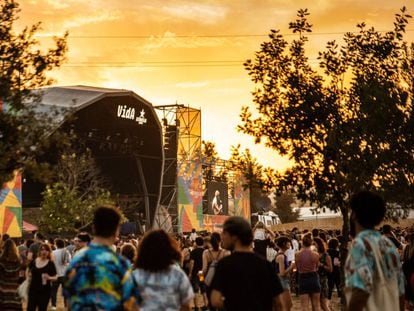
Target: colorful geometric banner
11, 207
190, 196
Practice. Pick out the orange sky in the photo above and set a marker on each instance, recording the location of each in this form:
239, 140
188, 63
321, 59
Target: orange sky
190, 52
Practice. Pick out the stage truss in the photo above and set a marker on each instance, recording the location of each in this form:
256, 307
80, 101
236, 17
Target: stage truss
182, 143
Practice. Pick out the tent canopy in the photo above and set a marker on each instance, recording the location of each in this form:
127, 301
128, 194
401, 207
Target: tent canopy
28, 227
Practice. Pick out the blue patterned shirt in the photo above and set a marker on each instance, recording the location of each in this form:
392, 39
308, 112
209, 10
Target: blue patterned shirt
99, 279
360, 265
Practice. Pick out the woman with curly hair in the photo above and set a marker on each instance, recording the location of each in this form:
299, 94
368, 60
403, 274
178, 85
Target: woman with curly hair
161, 281
10, 267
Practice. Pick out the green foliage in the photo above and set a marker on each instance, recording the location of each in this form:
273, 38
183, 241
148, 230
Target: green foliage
347, 125
24, 132
69, 202
284, 208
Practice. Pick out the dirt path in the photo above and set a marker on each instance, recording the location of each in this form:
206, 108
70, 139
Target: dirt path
335, 305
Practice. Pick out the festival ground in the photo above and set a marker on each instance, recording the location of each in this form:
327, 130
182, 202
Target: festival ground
335, 305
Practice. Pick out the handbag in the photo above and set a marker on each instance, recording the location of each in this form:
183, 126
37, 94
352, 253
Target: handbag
23, 289
384, 296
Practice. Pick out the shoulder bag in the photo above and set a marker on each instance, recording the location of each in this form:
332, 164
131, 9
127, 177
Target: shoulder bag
384, 296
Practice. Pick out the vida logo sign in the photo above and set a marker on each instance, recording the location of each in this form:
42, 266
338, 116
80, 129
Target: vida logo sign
125, 112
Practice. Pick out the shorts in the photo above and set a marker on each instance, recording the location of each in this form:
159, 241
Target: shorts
309, 283
198, 286
285, 281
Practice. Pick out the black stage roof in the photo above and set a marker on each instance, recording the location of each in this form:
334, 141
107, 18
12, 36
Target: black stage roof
124, 134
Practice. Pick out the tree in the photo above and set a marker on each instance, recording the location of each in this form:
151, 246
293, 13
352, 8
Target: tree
214, 168
24, 132
68, 202
347, 126
208, 151
284, 208
258, 178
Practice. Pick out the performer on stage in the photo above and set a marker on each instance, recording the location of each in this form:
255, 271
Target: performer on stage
217, 204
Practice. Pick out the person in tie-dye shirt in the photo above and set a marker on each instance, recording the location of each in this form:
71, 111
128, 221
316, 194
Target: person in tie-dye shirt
372, 260
97, 278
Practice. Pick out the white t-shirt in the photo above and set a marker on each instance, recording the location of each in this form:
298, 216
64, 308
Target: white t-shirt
270, 254
295, 245
61, 258
290, 254
193, 236
259, 234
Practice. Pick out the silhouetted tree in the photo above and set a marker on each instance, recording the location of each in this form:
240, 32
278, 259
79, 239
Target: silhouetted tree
347, 125
284, 208
24, 131
208, 150
209, 159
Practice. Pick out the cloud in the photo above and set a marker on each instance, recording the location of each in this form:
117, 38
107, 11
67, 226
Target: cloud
171, 40
58, 4
97, 17
202, 13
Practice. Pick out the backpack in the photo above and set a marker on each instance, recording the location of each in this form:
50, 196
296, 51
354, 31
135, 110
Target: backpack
211, 268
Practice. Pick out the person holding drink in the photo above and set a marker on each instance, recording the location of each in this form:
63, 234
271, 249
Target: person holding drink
42, 272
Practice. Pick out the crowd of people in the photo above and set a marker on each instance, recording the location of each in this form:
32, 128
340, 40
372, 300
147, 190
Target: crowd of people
241, 268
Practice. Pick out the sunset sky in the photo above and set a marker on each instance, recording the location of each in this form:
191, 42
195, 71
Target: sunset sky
191, 52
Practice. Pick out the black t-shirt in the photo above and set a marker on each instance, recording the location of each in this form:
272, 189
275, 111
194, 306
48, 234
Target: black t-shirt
334, 253
197, 255
36, 281
247, 281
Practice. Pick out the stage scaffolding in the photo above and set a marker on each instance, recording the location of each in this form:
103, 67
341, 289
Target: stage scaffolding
187, 173
182, 143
